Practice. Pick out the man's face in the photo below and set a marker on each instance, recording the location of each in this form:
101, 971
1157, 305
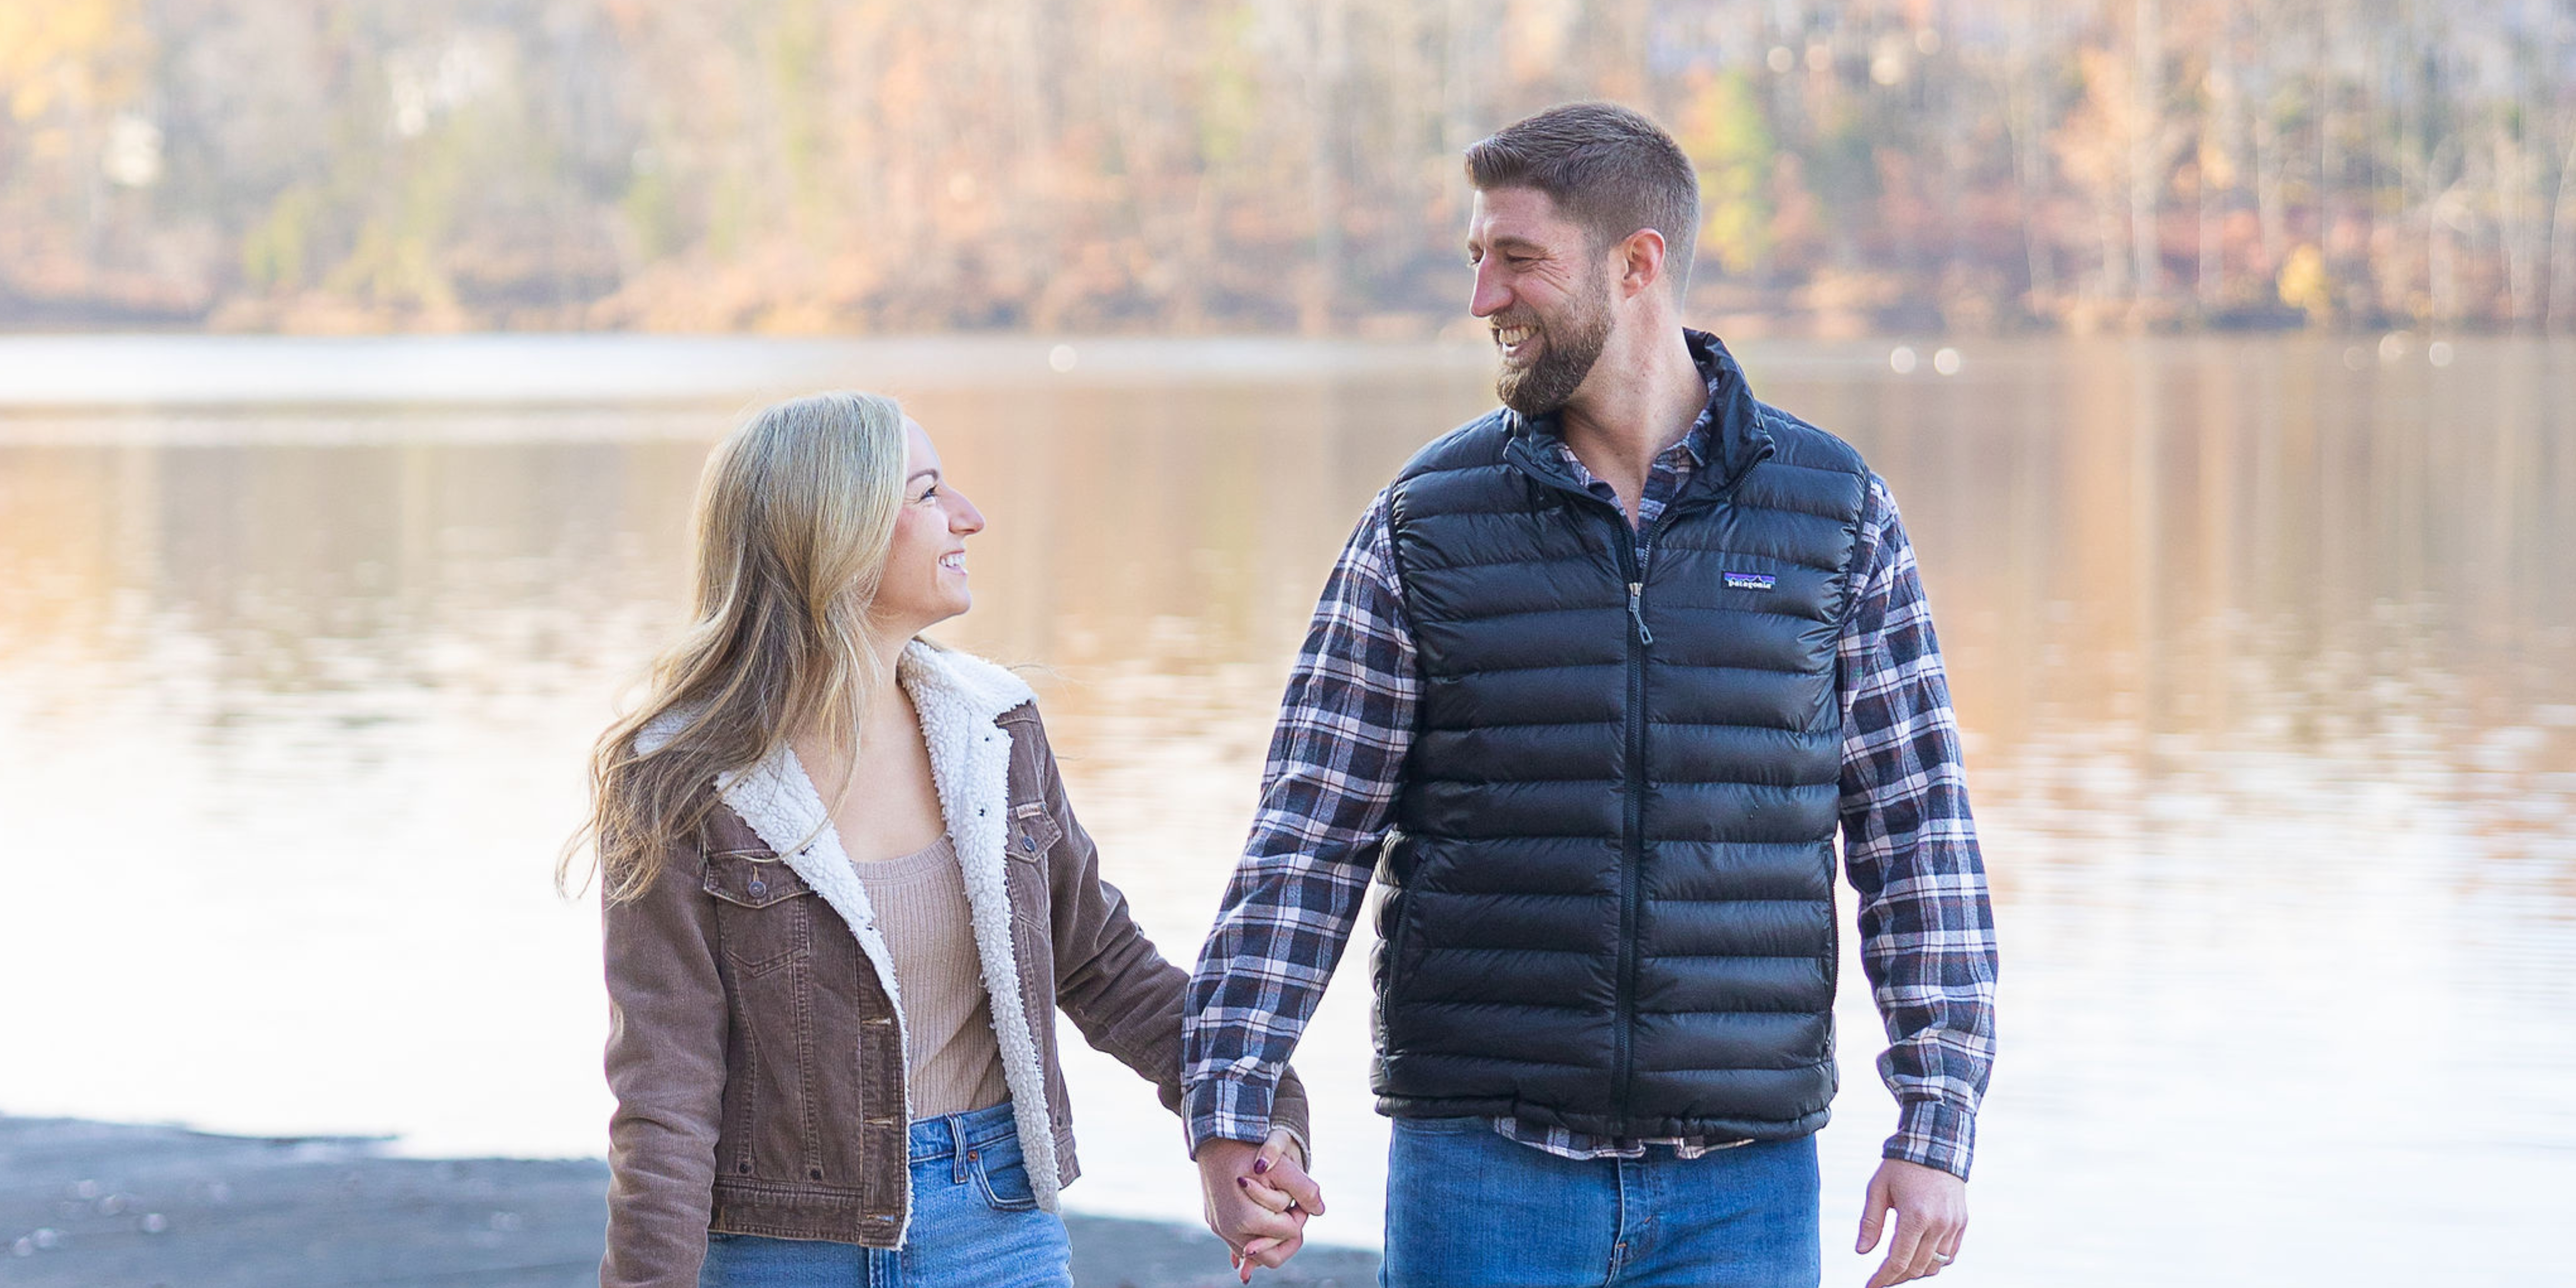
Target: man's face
1545, 292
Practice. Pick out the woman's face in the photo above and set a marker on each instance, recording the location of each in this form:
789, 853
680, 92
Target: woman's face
925, 574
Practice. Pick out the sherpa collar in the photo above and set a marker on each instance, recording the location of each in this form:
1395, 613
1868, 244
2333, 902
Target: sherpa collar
960, 698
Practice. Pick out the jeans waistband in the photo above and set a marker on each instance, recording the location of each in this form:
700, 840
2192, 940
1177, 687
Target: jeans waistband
951, 1134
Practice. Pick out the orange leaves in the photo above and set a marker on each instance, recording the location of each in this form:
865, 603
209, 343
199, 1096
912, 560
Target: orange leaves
79, 53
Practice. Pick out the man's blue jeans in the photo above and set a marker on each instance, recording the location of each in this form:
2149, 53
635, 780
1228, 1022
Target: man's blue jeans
1467, 1208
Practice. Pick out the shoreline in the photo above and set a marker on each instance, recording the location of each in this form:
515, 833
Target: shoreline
104, 1205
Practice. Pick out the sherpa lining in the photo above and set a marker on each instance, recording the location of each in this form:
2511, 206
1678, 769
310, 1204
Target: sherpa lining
960, 697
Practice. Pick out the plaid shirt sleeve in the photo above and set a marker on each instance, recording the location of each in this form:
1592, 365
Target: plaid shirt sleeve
1327, 793
1910, 850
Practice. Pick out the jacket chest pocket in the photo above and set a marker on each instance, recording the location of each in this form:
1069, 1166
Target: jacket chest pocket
1033, 833
1026, 847
764, 911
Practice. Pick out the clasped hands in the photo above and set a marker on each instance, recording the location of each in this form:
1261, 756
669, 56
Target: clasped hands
1258, 1200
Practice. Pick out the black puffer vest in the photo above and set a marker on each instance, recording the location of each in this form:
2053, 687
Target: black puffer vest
1611, 902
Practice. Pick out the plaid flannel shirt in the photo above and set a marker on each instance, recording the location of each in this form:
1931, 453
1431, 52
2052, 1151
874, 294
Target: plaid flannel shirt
1335, 765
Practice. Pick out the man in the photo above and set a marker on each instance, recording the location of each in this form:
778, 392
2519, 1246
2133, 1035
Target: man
1592, 686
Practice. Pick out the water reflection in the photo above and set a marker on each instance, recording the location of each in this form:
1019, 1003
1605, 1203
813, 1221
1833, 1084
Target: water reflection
2268, 670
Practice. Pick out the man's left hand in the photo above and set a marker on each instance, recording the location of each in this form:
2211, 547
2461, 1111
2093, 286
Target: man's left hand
1931, 1209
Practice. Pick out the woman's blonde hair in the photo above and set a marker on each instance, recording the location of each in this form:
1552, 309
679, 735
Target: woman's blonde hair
795, 512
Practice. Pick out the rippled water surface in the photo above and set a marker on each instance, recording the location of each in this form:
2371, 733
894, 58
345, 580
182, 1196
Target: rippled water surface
2267, 667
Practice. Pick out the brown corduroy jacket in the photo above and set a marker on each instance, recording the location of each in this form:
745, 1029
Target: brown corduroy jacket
756, 1047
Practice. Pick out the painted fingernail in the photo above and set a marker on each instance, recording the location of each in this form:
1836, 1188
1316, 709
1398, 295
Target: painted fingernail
1260, 1165
1244, 1181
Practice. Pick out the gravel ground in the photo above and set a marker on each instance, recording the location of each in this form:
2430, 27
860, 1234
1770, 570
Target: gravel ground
102, 1205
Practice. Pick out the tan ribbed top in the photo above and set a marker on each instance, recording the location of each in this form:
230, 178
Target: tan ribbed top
920, 904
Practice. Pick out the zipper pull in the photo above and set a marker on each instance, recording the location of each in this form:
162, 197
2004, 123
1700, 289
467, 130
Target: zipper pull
1637, 611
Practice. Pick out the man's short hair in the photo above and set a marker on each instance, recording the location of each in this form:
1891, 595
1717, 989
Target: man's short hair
1610, 169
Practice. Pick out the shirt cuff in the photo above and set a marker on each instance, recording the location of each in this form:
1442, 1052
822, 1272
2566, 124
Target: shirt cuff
1227, 1107
1934, 1133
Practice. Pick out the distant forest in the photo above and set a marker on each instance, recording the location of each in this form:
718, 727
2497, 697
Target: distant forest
1290, 166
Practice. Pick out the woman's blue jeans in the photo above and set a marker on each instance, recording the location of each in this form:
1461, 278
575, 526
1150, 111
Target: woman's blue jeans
1467, 1208
975, 1224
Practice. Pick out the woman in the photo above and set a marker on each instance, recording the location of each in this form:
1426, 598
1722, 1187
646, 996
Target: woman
844, 897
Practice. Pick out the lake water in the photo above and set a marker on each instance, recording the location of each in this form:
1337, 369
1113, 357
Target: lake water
2265, 652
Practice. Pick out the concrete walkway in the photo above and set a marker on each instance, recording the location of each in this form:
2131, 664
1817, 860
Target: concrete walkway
101, 1205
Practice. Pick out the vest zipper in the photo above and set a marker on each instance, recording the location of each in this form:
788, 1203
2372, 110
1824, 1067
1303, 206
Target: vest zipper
1633, 842
1633, 558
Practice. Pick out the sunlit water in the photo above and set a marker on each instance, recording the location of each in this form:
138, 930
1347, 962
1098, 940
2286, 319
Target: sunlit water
2267, 666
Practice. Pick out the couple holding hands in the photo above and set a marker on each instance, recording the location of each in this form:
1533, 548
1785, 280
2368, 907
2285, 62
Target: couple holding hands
1593, 688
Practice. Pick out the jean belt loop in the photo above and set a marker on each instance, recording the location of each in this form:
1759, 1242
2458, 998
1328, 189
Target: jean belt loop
957, 1138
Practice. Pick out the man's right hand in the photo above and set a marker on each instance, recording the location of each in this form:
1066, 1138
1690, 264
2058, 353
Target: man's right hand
1931, 1208
1257, 1200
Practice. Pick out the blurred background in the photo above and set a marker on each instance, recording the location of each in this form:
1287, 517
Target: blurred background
360, 358
1269, 165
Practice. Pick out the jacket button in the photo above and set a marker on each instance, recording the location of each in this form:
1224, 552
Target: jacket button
759, 887
813, 1173
744, 1168
1028, 842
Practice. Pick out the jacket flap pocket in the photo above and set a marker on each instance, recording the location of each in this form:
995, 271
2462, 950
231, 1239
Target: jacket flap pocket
752, 878
1034, 832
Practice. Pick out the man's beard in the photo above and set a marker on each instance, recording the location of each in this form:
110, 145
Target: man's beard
1569, 345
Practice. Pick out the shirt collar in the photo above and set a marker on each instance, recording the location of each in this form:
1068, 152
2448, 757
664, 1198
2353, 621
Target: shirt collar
1727, 437
1716, 370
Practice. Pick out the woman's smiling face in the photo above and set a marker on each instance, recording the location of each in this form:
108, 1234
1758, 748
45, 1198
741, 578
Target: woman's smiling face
925, 573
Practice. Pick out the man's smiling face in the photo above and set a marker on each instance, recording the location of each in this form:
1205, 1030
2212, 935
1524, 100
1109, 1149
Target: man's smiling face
1541, 286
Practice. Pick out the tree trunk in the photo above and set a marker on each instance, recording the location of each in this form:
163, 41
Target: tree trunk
2216, 135
2562, 249
2438, 258
2268, 163
2413, 180
2115, 263
2022, 119
2329, 170
2146, 138
1458, 102
2516, 230
1323, 169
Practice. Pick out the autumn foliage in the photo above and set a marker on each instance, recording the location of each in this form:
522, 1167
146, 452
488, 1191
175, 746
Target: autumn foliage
1267, 165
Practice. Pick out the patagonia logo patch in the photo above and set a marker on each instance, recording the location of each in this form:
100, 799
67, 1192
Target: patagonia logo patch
1750, 581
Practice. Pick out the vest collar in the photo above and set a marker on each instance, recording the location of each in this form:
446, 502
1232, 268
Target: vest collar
1737, 439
